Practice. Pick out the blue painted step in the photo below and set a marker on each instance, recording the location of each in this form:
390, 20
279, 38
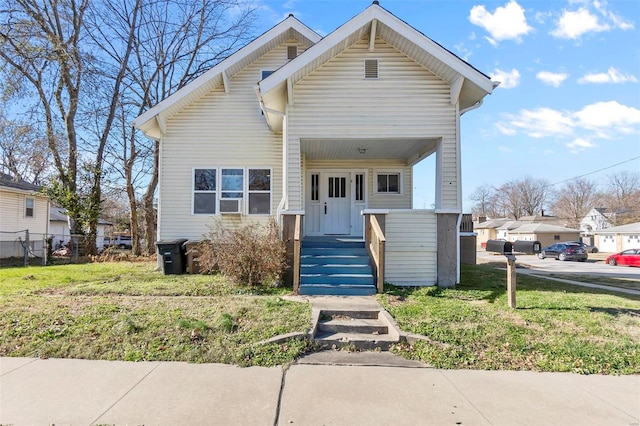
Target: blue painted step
330, 266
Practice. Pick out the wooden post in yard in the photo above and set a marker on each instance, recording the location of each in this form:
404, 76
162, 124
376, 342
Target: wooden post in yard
511, 281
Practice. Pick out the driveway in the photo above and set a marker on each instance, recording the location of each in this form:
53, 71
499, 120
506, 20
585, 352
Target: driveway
550, 265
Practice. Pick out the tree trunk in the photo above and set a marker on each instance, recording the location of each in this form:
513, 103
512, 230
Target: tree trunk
147, 203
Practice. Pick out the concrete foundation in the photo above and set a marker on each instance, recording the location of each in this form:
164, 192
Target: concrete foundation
447, 249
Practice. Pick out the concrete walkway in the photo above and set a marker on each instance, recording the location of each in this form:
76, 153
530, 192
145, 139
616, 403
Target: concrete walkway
322, 389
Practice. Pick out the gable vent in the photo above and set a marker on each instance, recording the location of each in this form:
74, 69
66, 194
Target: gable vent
371, 68
292, 51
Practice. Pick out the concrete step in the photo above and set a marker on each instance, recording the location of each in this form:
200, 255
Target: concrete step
354, 325
356, 340
317, 289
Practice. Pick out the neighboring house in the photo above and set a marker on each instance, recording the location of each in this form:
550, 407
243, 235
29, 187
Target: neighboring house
324, 128
22, 208
488, 230
596, 220
59, 228
545, 233
512, 230
618, 238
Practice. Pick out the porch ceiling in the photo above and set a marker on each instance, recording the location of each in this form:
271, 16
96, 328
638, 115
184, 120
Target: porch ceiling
409, 150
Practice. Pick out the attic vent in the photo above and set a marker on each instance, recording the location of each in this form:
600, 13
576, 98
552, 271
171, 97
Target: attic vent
371, 68
292, 51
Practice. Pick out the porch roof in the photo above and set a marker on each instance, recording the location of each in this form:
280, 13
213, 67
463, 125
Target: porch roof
409, 150
469, 85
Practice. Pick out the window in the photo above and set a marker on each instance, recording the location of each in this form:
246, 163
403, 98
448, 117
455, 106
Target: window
388, 183
292, 51
556, 237
222, 190
360, 187
204, 191
315, 187
266, 73
259, 191
370, 68
29, 207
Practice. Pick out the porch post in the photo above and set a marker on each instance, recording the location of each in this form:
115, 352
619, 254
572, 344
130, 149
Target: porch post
447, 248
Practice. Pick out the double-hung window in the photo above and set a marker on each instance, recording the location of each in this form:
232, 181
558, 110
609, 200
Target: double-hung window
204, 191
227, 190
29, 207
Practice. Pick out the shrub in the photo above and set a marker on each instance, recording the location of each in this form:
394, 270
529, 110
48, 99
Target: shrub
249, 255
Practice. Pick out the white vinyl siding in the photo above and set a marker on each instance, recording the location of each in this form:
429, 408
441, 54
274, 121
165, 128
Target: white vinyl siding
411, 248
221, 129
334, 102
12, 212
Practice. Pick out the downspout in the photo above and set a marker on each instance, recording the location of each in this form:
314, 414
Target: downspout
458, 222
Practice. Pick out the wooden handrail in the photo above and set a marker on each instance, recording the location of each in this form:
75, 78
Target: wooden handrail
296, 253
375, 242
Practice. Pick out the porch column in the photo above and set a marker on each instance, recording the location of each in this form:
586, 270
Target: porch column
447, 262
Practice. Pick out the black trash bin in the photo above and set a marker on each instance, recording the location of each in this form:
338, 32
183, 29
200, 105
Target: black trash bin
174, 256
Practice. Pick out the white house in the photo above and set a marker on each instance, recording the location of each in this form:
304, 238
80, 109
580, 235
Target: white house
595, 220
22, 208
324, 129
617, 238
59, 228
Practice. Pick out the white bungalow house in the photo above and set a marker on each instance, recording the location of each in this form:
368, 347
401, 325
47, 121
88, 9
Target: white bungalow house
59, 228
24, 214
324, 133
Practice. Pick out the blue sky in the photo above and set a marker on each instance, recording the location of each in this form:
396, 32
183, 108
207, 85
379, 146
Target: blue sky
569, 100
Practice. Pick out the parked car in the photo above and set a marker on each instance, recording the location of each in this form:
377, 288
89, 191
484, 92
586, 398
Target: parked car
564, 251
120, 241
630, 257
587, 247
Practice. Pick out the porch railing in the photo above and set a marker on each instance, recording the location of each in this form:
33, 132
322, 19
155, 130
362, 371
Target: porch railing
375, 242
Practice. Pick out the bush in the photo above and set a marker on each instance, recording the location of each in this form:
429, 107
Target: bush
251, 255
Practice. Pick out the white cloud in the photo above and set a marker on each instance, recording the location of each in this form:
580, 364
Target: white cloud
554, 79
572, 24
579, 144
608, 118
507, 79
602, 120
611, 76
506, 23
541, 122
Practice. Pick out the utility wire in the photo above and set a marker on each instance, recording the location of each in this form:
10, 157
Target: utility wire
591, 173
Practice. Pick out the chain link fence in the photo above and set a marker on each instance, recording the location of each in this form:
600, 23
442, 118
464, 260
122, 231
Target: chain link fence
28, 248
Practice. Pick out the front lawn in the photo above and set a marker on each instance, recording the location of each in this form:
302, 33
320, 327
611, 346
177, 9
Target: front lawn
556, 327
127, 311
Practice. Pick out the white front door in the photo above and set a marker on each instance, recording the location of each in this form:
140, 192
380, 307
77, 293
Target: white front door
336, 204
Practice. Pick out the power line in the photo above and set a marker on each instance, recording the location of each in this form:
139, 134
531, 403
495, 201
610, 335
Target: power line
591, 173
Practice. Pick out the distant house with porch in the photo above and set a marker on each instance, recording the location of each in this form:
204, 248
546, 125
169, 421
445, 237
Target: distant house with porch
322, 133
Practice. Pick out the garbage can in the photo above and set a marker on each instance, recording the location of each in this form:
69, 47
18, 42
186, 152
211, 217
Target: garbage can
173, 256
193, 256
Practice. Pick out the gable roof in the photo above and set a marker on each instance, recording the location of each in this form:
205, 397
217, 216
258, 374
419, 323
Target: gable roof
9, 182
469, 86
631, 228
152, 122
541, 228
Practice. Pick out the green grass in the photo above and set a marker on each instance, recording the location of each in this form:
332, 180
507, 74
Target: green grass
126, 311
603, 280
555, 327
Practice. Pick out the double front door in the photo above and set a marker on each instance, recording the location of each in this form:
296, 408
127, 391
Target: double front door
334, 202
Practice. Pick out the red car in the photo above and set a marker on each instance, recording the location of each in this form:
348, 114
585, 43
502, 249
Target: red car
629, 257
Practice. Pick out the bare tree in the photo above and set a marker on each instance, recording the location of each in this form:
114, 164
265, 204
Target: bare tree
524, 197
622, 197
23, 154
574, 200
175, 42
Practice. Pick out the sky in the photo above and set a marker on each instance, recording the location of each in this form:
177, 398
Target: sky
569, 100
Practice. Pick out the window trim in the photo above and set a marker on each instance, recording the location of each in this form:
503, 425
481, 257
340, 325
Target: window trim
398, 172
244, 200
27, 208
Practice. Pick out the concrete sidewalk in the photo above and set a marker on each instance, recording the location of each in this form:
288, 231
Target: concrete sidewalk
324, 388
